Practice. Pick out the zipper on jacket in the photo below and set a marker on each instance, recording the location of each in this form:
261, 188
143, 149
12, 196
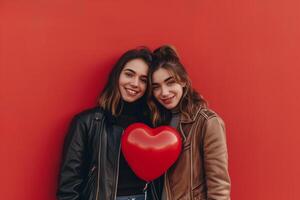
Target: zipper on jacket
117, 170
98, 173
154, 190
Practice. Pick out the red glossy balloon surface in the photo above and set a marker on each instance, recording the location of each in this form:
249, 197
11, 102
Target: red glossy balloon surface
150, 152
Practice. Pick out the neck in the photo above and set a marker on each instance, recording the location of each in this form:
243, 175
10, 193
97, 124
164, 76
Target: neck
175, 110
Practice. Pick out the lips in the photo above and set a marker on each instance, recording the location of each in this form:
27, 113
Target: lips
168, 100
131, 92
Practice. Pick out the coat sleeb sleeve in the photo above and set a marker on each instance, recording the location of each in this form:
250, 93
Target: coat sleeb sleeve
216, 160
72, 166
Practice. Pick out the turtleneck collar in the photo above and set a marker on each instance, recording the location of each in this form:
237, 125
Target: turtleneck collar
131, 108
175, 111
131, 113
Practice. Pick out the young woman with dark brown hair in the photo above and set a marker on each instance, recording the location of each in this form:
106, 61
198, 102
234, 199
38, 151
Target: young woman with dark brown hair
93, 167
201, 171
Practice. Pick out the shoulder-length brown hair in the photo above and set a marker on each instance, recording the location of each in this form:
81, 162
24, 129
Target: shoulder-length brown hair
110, 98
167, 57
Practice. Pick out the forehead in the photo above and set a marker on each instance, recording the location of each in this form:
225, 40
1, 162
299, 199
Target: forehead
160, 75
137, 65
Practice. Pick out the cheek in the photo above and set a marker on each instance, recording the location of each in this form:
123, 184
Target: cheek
143, 87
180, 93
156, 94
121, 80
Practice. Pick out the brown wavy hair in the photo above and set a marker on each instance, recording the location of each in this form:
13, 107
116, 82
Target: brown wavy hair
110, 98
166, 57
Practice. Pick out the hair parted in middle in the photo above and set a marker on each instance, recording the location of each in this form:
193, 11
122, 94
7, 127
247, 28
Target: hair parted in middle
110, 99
166, 57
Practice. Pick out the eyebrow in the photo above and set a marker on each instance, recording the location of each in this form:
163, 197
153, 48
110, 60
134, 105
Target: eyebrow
128, 69
166, 80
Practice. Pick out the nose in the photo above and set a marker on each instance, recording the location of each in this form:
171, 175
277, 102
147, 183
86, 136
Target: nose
164, 91
135, 82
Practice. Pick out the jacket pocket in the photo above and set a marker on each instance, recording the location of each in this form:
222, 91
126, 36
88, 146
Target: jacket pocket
197, 193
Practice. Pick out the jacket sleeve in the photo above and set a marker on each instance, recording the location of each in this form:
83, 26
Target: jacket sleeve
71, 172
216, 160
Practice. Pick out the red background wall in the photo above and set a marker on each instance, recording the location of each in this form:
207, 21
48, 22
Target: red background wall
243, 55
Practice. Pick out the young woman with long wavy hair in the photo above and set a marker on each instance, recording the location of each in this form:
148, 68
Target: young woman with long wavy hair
93, 167
201, 171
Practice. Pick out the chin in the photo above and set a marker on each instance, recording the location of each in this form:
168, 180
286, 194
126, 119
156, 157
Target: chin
131, 100
169, 107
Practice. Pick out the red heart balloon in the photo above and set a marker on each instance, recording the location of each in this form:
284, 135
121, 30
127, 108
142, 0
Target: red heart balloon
150, 152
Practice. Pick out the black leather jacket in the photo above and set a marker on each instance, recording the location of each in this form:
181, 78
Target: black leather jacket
90, 164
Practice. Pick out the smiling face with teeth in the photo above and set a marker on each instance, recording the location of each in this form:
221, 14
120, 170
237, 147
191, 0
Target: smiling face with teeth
133, 80
166, 89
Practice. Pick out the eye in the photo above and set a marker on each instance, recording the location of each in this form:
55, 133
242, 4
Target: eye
128, 74
144, 80
171, 82
155, 87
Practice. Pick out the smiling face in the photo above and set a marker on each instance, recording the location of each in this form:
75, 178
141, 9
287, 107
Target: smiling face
166, 89
133, 80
